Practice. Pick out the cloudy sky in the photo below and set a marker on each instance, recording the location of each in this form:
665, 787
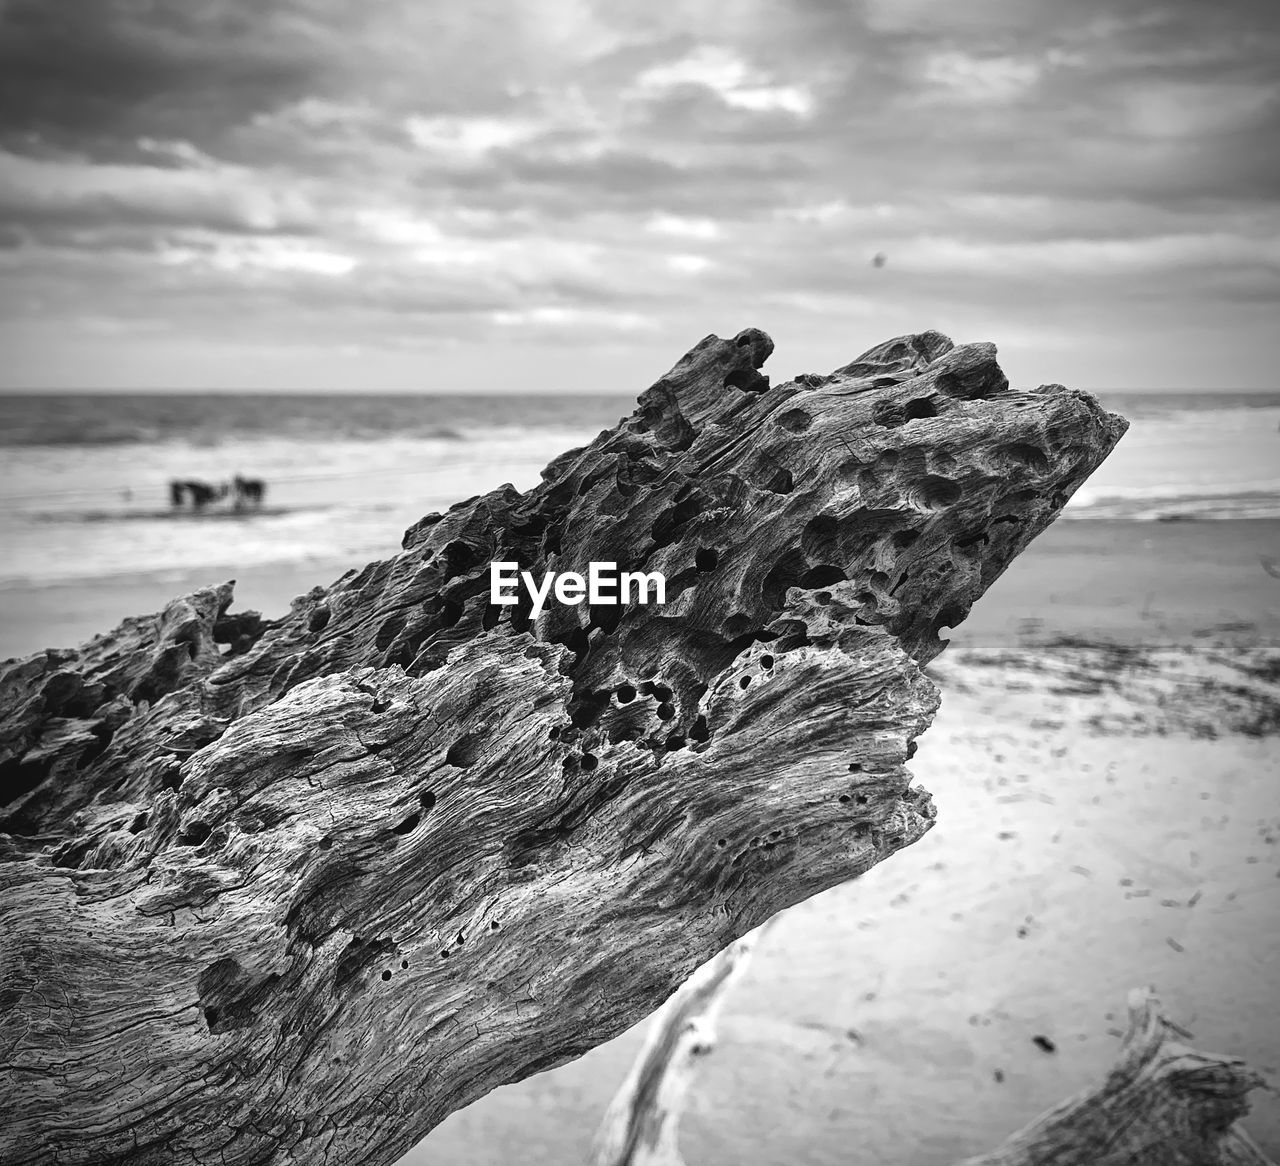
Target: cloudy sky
567, 194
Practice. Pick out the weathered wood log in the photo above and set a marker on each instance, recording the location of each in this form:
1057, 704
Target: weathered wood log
294, 890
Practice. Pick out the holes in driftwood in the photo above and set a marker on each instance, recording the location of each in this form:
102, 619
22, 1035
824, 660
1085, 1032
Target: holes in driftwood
379, 706
823, 575
427, 800
891, 414
1025, 454
669, 524
948, 619
357, 960
656, 689
666, 711
578, 642
606, 616
795, 420
404, 964
700, 732
319, 619
139, 823
625, 693
934, 492
590, 761
195, 834
230, 996
784, 574
450, 612
489, 619
464, 752
974, 538
675, 742
325, 844
855, 767
409, 825
587, 707
904, 538
706, 558
386, 975
766, 662
744, 682
458, 557
494, 925
778, 480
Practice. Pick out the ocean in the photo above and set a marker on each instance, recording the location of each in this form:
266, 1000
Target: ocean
84, 478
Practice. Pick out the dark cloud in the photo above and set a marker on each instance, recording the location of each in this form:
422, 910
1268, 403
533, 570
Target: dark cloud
83, 70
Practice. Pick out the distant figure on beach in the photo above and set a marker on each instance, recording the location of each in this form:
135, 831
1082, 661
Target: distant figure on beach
248, 491
200, 494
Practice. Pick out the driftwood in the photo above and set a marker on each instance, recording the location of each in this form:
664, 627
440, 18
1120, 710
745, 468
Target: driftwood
1162, 1104
294, 890
641, 1124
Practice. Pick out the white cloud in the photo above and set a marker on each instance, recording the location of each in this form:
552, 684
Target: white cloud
248, 255
205, 192
709, 66
679, 227
836, 210
729, 78
467, 138
981, 79
688, 264
772, 98
551, 316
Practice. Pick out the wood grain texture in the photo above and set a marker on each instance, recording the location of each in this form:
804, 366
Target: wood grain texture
294, 890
